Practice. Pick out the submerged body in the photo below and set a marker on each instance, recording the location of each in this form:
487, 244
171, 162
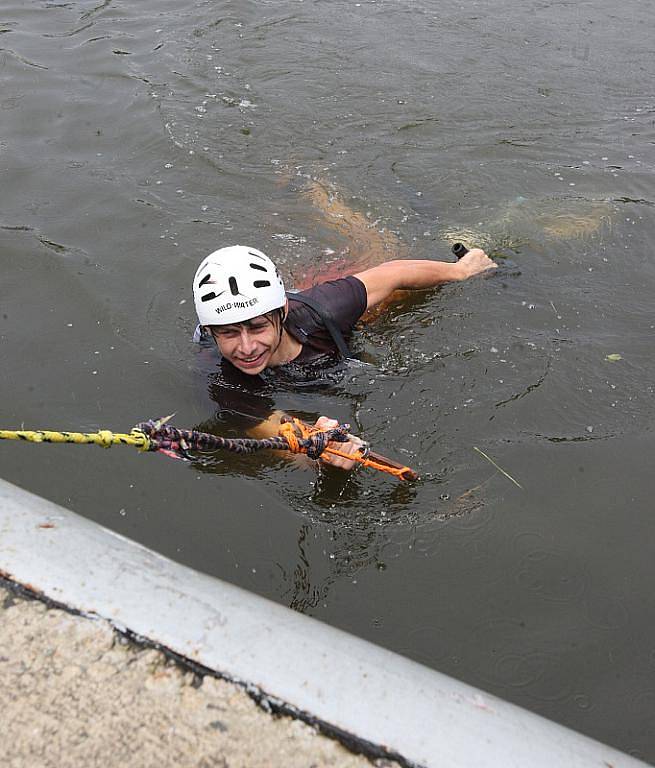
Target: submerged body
289, 332
242, 305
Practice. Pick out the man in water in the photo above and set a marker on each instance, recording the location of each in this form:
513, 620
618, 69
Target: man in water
241, 303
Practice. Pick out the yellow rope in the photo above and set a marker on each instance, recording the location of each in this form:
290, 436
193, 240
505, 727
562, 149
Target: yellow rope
104, 437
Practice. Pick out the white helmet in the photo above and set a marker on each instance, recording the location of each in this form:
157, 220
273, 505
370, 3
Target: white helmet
235, 284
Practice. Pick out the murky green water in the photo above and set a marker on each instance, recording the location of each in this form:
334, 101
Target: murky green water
137, 137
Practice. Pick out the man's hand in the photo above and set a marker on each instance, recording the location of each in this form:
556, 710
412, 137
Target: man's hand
474, 262
353, 444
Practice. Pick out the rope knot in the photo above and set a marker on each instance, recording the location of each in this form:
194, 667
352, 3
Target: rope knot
142, 441
316, 444
309, 440
288, 432
105, 438
155, 434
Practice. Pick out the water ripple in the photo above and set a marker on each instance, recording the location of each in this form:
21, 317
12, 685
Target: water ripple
551, 575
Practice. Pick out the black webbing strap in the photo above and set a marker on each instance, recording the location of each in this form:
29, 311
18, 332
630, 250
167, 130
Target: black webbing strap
328, 322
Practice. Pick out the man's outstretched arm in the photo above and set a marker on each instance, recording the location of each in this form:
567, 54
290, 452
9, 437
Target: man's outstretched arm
417, 274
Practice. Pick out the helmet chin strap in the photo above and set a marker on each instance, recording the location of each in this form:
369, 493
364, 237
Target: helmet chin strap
285, 337
282, 316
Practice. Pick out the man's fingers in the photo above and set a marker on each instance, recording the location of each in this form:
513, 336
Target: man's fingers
476, 261
352, 446
323, 422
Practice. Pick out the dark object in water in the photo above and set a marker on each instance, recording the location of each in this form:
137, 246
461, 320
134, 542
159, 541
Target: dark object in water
459, 249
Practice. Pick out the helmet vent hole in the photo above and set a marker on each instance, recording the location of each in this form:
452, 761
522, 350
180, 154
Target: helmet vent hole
206, 279
234, 288
261, 283
208, 296
259, 267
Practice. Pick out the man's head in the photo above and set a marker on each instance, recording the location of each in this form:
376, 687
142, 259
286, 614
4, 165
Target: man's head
250, 345
240, 298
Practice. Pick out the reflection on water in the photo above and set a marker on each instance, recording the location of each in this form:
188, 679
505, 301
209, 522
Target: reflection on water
138, 137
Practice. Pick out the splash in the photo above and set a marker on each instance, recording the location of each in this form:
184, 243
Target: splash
537, 221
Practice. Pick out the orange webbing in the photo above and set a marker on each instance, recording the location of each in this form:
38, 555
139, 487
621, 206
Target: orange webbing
402, 473
289, 430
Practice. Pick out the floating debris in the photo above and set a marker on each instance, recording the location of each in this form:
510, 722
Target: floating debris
499, 468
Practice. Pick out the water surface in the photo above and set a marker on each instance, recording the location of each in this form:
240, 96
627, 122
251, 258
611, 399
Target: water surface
137, 137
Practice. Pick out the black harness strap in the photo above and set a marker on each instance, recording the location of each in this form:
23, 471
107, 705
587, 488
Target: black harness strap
328, 322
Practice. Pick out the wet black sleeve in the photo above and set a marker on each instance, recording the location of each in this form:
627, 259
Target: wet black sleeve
345, 299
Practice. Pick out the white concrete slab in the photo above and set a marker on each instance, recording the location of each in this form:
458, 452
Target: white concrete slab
426, 717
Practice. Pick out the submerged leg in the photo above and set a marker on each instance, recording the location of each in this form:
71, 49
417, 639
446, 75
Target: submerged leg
367, 245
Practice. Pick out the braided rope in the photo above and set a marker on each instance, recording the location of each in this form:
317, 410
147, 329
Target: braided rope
167, 437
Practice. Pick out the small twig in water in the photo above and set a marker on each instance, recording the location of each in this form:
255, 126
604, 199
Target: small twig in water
500, 469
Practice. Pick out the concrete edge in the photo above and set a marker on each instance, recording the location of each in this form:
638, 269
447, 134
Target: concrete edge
266, 702
374, 701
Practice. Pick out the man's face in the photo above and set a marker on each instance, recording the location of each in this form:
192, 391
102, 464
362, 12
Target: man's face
248, 346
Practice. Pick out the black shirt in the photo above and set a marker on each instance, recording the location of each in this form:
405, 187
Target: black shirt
239, 393
345, 299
